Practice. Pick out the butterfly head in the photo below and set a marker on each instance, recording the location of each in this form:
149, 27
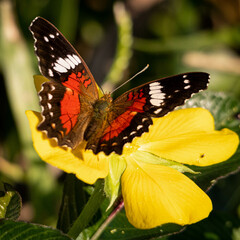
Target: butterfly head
102, 105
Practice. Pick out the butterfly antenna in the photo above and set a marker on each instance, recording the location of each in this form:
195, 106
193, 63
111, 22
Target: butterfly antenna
144, 69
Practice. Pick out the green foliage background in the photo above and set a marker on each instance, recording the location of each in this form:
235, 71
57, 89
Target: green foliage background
173, 36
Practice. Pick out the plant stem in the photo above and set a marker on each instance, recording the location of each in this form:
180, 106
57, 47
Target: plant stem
108, 220
89, 210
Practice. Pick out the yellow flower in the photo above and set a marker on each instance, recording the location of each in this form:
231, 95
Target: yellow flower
154, 189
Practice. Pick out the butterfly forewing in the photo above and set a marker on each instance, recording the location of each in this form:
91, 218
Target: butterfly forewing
135, 108
69, 94
59, 61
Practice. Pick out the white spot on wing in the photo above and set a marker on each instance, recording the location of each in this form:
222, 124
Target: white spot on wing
156, 102
57, 34
46, 39
139, 127
154, 92
50, 72
187, 87
77, 58
59, 68
186, 81
62, 62
51, 36
184, 76
154, 84
70, 62
51, 114
132, 133
155, 87
49, 105
50, 96
158, 96
158, 111
73, 60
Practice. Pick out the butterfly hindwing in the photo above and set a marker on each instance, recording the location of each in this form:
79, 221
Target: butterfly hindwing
64, 117
133, 111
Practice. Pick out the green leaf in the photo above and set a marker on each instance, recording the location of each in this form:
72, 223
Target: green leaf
90, 210
95, 227
120, 228
10, 229
10, 203
216, 226
73, 200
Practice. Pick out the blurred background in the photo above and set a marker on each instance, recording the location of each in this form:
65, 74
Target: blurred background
172, 36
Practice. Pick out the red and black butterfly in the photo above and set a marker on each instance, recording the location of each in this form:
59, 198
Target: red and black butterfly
73, 111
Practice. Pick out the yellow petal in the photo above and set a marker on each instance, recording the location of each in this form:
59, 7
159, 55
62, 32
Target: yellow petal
180, 122
188, 136
84, 164
154, 195
38, 81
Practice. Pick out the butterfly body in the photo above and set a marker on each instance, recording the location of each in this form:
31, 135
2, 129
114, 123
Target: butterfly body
73, 110
101, 110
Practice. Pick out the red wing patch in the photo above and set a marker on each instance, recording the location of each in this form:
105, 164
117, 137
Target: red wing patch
84, 79
123, 121
75, 80
60, 108
135, 95
118, 125
70, 109
138, 101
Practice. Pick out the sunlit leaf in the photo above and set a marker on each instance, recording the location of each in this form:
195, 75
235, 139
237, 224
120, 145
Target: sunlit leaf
10, 203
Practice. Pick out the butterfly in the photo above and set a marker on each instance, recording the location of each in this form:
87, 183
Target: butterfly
73, 110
